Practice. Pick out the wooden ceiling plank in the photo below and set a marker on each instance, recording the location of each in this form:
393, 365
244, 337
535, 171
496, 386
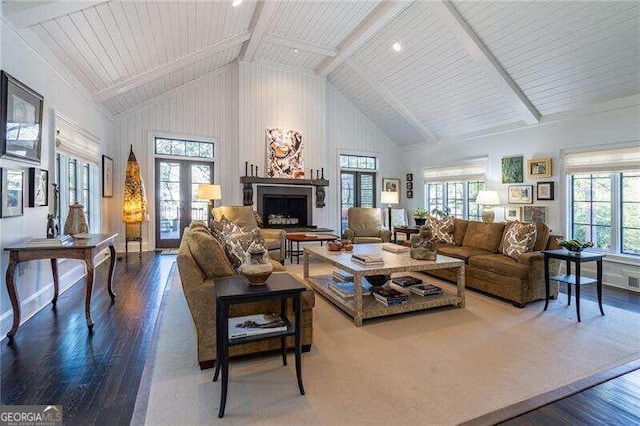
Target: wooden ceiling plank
301, 45
147, 76
46, 12
380, 17
486, 61
391, 100
263, 13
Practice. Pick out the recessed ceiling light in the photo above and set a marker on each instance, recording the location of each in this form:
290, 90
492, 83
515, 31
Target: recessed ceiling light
236, 3
397, 47
295, 50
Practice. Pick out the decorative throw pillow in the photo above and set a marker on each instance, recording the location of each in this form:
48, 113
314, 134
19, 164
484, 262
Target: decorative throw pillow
239, 245
223, 228
208, 252
519, 239
442, 230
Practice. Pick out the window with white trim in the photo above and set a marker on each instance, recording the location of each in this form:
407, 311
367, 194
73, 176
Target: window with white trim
453, 189
357, 184
604, 199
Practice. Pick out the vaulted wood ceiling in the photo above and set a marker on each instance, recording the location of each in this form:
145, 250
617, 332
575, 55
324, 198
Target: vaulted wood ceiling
464, 67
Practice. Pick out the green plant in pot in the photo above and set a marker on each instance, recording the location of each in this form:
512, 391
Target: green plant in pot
420, 216
575, 246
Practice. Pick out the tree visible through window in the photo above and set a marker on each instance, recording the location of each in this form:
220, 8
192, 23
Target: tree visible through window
457, 198
357, 184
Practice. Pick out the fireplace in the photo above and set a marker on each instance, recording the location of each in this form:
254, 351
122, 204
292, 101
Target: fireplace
285, 207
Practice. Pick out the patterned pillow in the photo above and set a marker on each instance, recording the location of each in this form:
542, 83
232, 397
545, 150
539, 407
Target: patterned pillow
223, 228
519, 239
442, 230
239, 245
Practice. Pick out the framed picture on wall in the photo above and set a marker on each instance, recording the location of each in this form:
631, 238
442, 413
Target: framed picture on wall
544, 191
409, 177
539, 168
391, 184
536, 214
20, 120
409, 194
512, 169
11, 192
511, 213
520, 194
409, 186
107, 177
38, 187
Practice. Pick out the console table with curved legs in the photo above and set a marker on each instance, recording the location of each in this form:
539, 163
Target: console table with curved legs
82, 249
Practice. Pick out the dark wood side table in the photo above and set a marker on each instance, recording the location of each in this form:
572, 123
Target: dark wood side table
573, 279
82, 249
236, 289
298, 238
407, 230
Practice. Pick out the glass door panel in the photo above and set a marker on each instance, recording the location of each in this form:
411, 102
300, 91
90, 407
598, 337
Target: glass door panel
176, 202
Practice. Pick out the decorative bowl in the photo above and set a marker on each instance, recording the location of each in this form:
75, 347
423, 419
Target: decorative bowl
377, 280
575, 246
334, 245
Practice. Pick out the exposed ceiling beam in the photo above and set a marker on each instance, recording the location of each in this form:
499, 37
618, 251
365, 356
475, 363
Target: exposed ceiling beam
487, 62
262, 16
147, 76
55, 9
393, 101
300, 44
380, 17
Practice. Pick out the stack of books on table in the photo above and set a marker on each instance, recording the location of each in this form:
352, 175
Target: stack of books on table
346, 290
342, 276
389, 296
61, 240
425, 289
394, 248
368, 259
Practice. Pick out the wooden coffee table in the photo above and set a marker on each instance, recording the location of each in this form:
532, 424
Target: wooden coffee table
305, 238
360, 307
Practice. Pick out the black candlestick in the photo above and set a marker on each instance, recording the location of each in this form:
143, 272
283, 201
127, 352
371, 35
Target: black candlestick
252, 170
246, 168
322, 177
311, 174
257, 174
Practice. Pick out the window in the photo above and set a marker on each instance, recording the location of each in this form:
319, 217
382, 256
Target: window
455, 198
604, 198
357, 184
77, 181
184, 148
594, 212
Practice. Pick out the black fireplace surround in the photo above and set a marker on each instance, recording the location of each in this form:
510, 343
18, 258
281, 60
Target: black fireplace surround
286, 202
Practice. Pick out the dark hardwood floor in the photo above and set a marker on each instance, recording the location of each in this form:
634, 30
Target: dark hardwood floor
53, 359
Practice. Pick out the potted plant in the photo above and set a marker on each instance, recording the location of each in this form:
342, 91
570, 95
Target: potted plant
420, 216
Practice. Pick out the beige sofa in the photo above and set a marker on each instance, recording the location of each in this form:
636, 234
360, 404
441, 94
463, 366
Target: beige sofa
242, 216
199, 291
365, 226
480, 244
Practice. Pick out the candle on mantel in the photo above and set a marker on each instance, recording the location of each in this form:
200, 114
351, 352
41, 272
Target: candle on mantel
252, 170
257, 171
322, 176
246, 168
311, 174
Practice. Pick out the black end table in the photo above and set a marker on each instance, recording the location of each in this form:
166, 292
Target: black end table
576, 279
237, 289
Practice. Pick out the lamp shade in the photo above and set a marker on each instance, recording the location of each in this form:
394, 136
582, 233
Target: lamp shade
207, 191
488, 198
389, 197
134, 205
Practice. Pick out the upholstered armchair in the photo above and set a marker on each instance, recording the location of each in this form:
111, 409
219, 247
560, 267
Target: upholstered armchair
365, 226
242, 216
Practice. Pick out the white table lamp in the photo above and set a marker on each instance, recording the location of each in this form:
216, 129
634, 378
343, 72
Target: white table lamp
389, 198
487, 199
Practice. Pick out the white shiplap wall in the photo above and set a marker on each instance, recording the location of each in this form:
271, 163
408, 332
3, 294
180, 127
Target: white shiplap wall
349, 131
206, 108
274, 97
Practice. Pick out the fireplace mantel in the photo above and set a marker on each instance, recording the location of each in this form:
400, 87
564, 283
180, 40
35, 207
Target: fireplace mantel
248, 181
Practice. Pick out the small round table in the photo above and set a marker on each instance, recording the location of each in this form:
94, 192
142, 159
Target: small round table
304, 238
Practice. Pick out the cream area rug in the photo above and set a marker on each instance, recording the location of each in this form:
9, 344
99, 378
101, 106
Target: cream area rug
442, 366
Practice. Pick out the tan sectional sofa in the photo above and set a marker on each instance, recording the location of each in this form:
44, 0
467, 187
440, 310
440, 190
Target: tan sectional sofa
479, 244
199, 291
